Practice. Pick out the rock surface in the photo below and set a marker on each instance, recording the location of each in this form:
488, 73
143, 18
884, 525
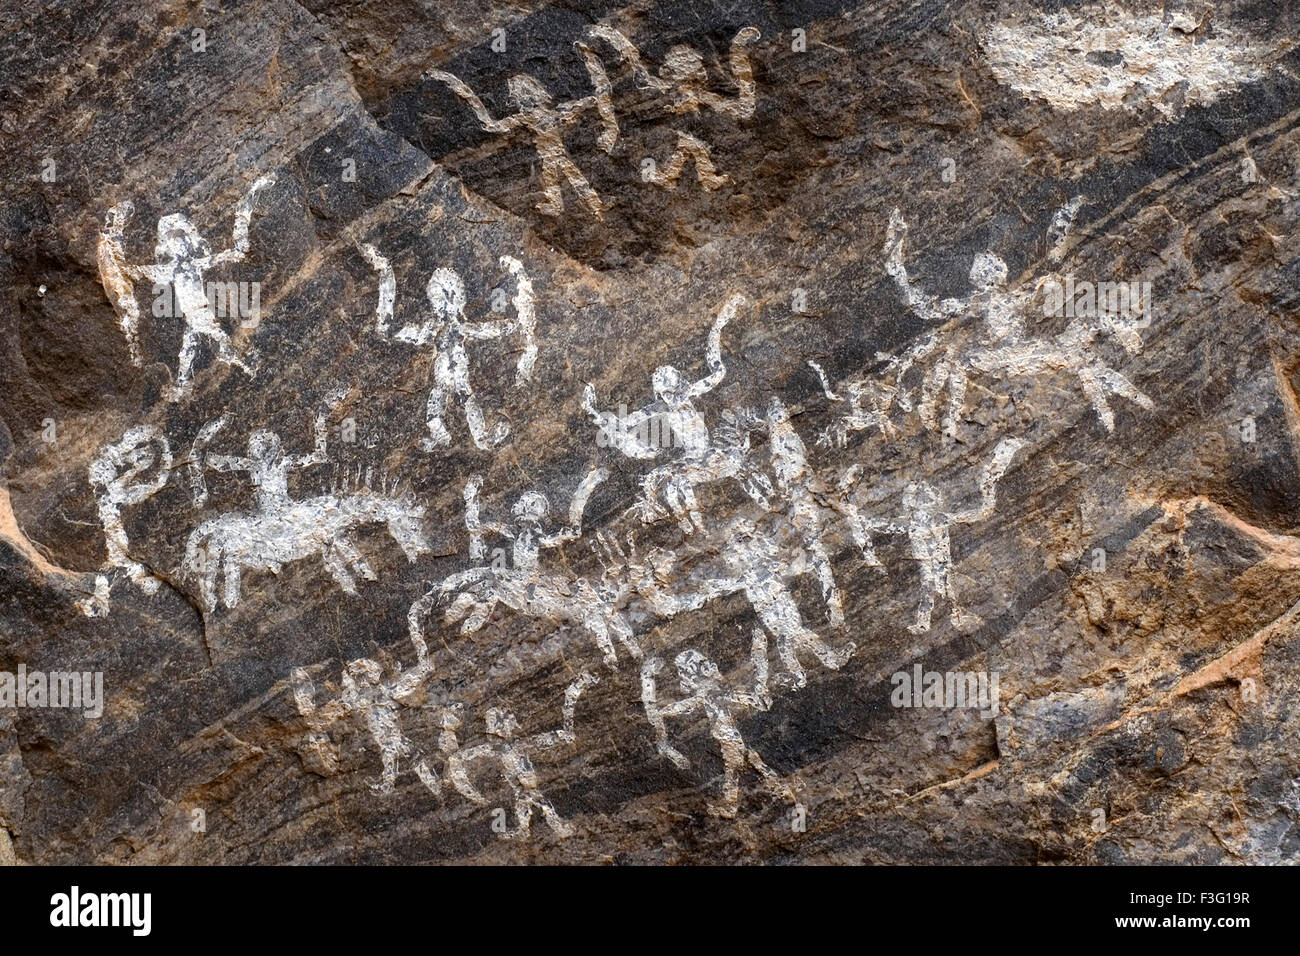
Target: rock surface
336, 626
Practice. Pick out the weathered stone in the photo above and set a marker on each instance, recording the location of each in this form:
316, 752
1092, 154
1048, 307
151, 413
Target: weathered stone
1118, 494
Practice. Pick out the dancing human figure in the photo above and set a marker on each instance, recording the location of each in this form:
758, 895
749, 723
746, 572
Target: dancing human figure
547, 121
183, 260
683, 80
705, 691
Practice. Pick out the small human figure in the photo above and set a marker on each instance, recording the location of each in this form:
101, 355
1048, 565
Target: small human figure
760, 569
183, 260
512, 755
268, 469
114, 475
1003, 348
449, 331
524, 585
376, 701
674, 407
871, 400
705, 691
547, 121
683, 79
927, 529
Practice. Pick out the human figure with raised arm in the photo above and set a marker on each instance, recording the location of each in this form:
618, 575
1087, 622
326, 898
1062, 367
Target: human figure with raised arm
1002, 347
684, 81
512, 755
522, 584
927, 528
183, 259
376, 701
537, 112
115, 476
674, 408
449, 332
705, 692
268, 469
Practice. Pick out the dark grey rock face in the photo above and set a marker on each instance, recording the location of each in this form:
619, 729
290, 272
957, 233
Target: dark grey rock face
619, 433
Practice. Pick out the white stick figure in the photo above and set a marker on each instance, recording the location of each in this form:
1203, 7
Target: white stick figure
927, 529
1003, 348
547, 121
798, 484
683, 79
513, 757
705, 691
450, 331
674, 408
114, 475
366, 694
183, 260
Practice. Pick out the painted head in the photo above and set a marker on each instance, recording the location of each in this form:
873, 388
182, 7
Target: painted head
920, 496
178, 239
988, 272
684, 67
531, 507
500, 723
695, 671
446, 293
263, 445
667, 385
116, 219
364, 671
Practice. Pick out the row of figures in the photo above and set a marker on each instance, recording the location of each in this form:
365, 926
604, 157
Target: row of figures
377, 701
681, 84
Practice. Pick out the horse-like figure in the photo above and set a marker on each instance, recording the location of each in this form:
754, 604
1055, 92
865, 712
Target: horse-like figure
229, 544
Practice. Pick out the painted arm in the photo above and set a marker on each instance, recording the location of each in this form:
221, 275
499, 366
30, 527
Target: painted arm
567, 734
628, 53
198, 486
409, 682
717, 371
229, 463
993, 472
760, 699
477, 550
474, 103
621, 435
925, 306
576, 509
482, 331
387, 288
458, 775
526, 317
243, 215
319, 453
742, 73
113, 275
